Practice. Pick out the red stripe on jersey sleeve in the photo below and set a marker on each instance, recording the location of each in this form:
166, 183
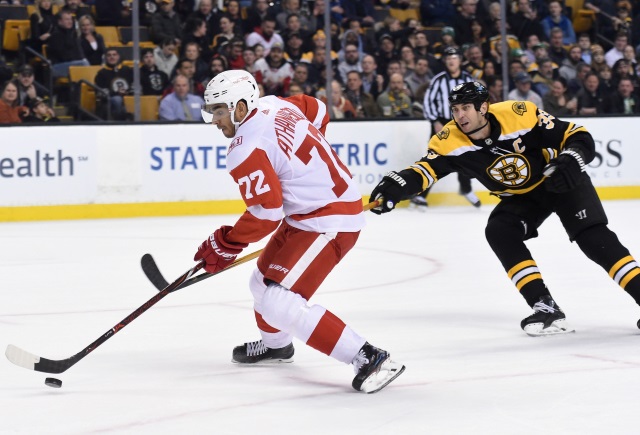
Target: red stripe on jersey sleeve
334, 208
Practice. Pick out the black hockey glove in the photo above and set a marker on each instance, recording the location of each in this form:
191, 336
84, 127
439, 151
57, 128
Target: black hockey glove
389, 192
565, 172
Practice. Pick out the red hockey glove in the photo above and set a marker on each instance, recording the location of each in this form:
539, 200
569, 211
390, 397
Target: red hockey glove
218, 253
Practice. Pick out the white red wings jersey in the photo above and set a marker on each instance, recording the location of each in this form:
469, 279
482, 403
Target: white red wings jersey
285, 167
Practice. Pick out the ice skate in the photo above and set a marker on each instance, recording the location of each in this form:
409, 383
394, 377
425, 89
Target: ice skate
547, 319
374, 369
472, 198
418, 202
257, 353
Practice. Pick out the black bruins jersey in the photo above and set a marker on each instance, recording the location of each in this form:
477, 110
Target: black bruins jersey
511, 161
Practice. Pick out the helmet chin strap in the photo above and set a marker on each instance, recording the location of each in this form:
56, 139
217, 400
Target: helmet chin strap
479, 128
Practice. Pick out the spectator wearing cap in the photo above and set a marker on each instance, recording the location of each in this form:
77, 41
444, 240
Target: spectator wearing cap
117, 79
28, 88
39, 112
64, 48
361, 10
319, 39
351, 62
523, 91
92, 43
447, 39
363, 102
10, 111
180, 104
437, 13
557, 18
274, 72
543, 79
265, 35
152, 79
166, 24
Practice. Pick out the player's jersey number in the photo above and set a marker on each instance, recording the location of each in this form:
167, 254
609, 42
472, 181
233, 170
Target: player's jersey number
254, 182
315, 140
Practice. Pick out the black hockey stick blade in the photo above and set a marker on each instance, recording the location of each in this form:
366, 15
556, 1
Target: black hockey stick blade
151, 270
30, 361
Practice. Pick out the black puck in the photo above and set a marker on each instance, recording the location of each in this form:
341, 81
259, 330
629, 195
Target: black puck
638, 324
53, 382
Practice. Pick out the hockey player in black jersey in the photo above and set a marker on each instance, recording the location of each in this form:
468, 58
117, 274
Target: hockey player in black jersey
536, 164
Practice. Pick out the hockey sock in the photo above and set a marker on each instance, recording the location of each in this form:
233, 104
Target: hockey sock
601, 245
505, 234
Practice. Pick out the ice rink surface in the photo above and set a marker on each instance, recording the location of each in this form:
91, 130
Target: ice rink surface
423, 285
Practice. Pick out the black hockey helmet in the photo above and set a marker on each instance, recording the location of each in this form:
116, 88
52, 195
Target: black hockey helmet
469, 92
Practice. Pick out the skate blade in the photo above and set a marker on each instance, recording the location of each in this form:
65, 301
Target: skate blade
557, 327
389, 370
266, 362
418, 207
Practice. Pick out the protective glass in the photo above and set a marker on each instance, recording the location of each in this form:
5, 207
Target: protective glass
209, 114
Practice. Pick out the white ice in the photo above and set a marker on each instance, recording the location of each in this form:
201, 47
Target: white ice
423, 285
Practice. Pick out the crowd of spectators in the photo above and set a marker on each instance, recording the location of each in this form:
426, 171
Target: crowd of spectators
380, 67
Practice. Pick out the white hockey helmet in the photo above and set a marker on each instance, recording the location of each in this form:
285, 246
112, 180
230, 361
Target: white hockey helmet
228, 88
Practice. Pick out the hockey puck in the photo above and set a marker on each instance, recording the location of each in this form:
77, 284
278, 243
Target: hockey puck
638, 324
53, 382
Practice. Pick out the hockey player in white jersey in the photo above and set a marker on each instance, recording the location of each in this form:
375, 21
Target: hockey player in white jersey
283, 166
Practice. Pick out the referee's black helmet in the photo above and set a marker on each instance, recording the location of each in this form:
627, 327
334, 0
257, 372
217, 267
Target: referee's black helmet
469, 92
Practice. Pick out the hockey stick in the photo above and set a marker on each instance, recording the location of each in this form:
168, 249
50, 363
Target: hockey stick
30, 361
151, 270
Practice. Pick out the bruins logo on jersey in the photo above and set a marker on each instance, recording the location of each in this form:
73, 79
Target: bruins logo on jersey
519, 107
443, 134
510, 170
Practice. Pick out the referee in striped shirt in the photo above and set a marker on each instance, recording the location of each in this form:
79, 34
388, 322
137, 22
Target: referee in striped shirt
436, 110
